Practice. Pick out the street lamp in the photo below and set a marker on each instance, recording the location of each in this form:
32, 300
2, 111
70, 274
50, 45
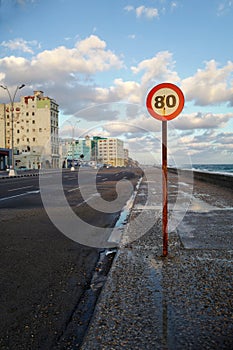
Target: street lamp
73, 128
12, 171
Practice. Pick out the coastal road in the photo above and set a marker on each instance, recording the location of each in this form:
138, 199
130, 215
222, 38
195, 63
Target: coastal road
43, 273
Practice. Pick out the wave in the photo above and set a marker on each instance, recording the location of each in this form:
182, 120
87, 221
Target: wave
223, 169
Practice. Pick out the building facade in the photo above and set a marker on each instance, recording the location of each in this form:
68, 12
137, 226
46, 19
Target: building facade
35, 131
111, 151
75, 150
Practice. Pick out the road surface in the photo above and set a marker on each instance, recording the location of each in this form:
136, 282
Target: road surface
44, 274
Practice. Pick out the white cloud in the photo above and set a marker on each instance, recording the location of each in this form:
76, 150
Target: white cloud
202, 121
225, 138
157, 69
173, 5
142, 11
129, 8
211, 85
61, 65
224, 7
19, 44
132, 36
121, 91
137, 126
148, 12
87, 57
25, 1
153, 70
209, 146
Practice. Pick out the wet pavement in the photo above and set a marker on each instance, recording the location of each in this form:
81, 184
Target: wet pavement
184, 300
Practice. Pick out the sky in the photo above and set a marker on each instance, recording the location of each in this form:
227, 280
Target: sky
100, 58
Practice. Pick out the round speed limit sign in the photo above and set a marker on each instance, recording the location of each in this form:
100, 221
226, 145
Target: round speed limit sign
165, 101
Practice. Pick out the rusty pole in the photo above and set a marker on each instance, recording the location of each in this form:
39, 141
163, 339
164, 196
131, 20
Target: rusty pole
164, 176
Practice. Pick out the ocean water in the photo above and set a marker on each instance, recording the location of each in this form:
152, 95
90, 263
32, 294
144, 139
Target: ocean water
214, 168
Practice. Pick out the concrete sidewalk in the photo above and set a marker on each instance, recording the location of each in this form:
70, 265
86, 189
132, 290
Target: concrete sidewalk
183, 301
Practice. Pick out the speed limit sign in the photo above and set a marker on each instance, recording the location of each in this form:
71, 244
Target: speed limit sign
165, 101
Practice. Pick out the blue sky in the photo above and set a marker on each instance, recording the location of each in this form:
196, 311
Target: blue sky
99, 59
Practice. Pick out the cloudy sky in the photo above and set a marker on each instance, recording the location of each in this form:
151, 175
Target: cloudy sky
99, 59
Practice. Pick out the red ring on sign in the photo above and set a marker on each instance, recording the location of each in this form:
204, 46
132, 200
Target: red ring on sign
150, 97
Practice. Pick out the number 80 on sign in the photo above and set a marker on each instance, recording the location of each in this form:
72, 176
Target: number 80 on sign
165, 101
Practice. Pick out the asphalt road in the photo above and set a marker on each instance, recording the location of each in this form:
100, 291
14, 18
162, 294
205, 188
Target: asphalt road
45, 275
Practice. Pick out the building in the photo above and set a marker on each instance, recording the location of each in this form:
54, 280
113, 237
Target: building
111, 151
126, 157
35, 131
76, 150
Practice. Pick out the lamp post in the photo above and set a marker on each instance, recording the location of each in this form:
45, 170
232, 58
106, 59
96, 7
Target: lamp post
12, 171
73, 128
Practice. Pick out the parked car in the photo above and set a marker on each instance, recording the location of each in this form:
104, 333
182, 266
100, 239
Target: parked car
23, 167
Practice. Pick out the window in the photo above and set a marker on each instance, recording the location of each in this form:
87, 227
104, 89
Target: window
18, 131
40, 129
27, 114
34, 139
33, 121
33, 113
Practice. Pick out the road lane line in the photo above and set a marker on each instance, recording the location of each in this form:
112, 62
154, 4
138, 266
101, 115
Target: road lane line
19, 195
88, 199
73, 189
19, 188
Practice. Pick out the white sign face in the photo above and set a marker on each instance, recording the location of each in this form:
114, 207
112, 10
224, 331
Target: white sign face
165, 101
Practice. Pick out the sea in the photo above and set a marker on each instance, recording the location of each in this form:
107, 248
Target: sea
226, 169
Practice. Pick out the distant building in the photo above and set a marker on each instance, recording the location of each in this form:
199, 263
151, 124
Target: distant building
97, 150
79, 149
76, 150
126, 157
35, 131
111, 151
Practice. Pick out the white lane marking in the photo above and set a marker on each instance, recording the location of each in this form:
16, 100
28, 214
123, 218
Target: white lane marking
88, 199
73, 189
19, 188
19, 195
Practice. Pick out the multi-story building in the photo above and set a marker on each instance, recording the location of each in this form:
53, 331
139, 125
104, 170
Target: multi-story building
94, 151
80, 149
111, 151
75, 150
35, 131
126, 157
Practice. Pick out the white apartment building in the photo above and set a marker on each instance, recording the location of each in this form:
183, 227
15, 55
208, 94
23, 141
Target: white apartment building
126, 157
35, 131
111, 151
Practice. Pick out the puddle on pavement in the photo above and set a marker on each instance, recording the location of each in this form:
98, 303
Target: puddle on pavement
199, 205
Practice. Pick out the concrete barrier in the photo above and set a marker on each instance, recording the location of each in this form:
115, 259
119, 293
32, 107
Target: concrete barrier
216, 179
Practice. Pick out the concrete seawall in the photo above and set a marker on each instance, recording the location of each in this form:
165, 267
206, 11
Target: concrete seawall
216, 179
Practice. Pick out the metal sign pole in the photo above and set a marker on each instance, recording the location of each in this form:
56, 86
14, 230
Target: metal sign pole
165, 194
